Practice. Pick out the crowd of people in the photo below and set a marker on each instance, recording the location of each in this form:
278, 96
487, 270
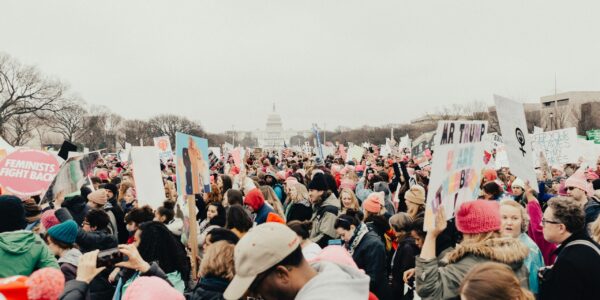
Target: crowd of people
293, 225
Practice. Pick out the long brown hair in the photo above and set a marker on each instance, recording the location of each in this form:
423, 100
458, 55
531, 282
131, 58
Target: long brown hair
493, 281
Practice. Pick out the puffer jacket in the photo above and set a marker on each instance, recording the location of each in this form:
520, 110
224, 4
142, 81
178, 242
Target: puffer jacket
323, 219
433, 282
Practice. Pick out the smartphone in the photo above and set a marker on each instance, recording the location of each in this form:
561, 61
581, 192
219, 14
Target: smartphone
108, 258
336, 242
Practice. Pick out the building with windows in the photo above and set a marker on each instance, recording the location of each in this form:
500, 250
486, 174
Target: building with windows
563, 110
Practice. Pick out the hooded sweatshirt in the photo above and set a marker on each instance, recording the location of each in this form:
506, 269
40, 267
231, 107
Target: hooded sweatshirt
335, 281
256, 201
26, 253
68, 263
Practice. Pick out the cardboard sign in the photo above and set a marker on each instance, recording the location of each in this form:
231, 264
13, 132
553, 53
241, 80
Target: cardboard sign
164, 146
355, 153
73, 174
559, 146
28, 172
456, 167
193, 175
65, 149
511, 117
147, 176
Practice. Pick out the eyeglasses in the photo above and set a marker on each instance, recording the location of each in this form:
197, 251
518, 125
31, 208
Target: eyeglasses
570, 188
544, 221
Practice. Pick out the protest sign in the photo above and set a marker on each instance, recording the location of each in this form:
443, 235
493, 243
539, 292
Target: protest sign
147, 176
28, 172
328, 150
65, 149
559, 146
73, 174
405, 142
517, 141
237, 155
193, 175
456, 167
216, 151
163, 143
355, 153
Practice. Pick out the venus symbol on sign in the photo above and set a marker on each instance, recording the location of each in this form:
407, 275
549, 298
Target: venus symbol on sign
521, 140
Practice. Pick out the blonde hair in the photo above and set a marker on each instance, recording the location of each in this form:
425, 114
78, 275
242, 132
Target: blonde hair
494, 281
355, 205
218, 261
524, 215
123, 187
301, 192
271, 198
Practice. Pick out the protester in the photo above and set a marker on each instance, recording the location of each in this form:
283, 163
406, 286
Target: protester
272, 199
325, 210
479, 221
298, 206
348, 200
310, 249
493, 281
403, 258
216, 271
415, 201
61, 241
269, 264
514, 224
255, 202
135, 217
582, 192
114, 207
21, 252
233, 197
366, 248
238, 220
578, 255
166, 215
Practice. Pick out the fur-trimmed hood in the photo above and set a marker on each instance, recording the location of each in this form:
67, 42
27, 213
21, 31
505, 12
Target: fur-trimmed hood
506, 250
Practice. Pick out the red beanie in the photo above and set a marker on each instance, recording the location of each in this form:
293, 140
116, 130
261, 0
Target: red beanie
478, 216
254, 199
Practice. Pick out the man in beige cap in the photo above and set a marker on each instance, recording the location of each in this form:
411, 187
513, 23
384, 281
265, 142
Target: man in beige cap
269, 264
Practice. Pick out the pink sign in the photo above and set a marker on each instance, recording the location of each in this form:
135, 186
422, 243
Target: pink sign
28, 172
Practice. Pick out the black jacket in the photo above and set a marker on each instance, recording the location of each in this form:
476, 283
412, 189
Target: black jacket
209, 288
370, 256
89, 241
403, 260
77, 207
299, 211
574, 274
122, 232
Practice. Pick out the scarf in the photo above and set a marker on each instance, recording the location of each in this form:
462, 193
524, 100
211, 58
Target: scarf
357, 236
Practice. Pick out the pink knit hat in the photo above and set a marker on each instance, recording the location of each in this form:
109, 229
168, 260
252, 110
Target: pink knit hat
291, 180
151, 288
98, 196
347, 184
478, 216
49, 219
45, 284
335, 254
372, 204
578, 180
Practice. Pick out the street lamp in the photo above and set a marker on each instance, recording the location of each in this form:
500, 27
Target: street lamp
551, 121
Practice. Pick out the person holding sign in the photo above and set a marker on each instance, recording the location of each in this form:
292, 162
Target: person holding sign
479, 221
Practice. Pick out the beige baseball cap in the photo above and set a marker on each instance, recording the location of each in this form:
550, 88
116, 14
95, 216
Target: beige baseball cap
260, 249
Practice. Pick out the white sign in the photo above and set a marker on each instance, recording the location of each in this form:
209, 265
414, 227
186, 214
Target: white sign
559, 146
355, 153
146, 174
456, 167
511, 117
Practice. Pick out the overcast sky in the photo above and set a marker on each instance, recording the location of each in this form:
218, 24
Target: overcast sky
342, 62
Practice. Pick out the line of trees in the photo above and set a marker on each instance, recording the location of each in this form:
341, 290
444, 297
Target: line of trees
35, 105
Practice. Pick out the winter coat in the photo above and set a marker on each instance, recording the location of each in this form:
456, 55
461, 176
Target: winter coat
209, 288
259, 207
361, 192
534, 262
323, 219
403, 260
68, 263
370, 256
435, 282
77, 207
122, 233
592, 210
300, 211
99, 239
22, 252
535, 232
574, 275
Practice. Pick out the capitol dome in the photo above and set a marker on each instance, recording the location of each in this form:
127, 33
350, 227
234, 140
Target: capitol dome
274, 131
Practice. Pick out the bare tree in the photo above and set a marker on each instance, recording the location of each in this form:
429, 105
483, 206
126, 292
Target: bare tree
170, 124
23, 90
69, 122
20, 129
136, 131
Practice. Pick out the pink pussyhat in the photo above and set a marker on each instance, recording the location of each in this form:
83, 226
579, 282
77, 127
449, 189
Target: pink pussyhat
335, 254
579, 181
